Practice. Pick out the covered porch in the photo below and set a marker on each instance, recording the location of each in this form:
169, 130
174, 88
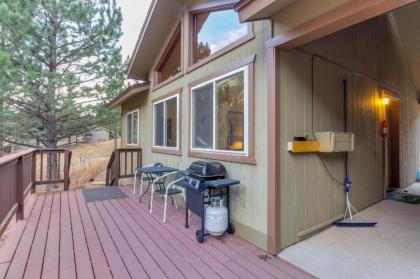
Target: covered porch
63, 236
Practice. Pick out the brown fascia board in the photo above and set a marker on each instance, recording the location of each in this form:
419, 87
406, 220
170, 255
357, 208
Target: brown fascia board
241, 4
253, 10
128, 93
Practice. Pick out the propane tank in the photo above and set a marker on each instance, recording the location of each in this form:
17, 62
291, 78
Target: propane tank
216, 221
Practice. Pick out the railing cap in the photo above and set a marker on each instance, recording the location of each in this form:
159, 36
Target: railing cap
12, 157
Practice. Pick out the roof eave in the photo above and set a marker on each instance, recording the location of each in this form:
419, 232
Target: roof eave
127, 94
140, 38
160, 19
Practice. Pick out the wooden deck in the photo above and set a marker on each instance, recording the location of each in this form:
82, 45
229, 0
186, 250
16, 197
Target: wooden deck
62, 236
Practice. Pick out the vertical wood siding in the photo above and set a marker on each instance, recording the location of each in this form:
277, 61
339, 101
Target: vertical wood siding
248, 200
310, 200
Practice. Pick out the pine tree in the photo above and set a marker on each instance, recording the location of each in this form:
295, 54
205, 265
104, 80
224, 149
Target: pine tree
59, 65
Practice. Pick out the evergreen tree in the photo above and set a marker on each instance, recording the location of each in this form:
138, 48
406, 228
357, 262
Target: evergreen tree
59, 66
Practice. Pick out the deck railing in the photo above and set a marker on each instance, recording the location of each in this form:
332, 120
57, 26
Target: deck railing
52, 166
21, 172
123, 164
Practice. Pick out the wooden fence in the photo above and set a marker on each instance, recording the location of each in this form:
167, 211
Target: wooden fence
19, 173
123, 164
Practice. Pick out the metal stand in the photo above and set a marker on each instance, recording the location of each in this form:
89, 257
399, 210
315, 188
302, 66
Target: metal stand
196, 202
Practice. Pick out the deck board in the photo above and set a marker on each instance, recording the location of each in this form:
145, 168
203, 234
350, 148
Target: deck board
115, 260
99, 262
67, 259
34, 264
15, 234
51, 255
170, 259
133, 265
81, 253
143, 254
18, 264
62, 236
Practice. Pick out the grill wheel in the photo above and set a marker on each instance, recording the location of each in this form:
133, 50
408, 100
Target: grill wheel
199, 235
231, 228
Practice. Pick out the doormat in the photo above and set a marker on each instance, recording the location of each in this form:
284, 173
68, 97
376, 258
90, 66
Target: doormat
401, 197
103, 194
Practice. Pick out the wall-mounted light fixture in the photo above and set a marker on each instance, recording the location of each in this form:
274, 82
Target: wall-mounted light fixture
386, 97
384, 100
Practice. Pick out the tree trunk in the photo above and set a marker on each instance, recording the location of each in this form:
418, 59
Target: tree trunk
52, 163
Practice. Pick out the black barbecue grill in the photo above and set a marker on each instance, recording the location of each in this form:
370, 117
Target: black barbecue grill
204, 181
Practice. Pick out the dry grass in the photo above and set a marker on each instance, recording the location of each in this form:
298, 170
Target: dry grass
88, 161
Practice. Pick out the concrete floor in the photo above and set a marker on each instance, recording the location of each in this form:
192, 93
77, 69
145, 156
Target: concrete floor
390, 250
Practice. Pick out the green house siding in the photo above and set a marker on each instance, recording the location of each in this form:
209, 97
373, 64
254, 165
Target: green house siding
248, 201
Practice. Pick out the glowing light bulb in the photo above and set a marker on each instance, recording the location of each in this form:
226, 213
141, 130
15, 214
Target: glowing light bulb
385, 101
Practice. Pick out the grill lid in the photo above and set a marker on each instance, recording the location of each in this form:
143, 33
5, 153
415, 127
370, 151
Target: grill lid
206, 170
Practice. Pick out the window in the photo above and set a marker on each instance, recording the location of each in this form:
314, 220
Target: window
170, 63
214, 30
220, 114
133, 127
166, 122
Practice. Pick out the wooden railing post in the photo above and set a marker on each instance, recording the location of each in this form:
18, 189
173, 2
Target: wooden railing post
33, 173
114, 170
19, 189
117, 167
109, 169
67, 155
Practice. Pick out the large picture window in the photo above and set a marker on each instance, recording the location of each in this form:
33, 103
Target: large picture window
220, 113
133, 128
214, 30
166, 122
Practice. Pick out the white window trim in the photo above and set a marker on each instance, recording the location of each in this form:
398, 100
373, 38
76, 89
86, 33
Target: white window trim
245, 69
176, 96
138, 127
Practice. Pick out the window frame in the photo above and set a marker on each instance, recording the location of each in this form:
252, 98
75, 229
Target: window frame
246, 156
165, 52
138, 127
212, 7
167, 149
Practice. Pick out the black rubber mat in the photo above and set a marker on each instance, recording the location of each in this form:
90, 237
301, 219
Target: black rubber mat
103, 194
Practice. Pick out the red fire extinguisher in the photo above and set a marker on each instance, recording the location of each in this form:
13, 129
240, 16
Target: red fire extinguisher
384, 129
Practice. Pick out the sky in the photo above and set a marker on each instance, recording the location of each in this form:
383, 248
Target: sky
221, 28
134, 13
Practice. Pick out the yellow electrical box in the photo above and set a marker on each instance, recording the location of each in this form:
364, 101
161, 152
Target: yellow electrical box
304, 146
